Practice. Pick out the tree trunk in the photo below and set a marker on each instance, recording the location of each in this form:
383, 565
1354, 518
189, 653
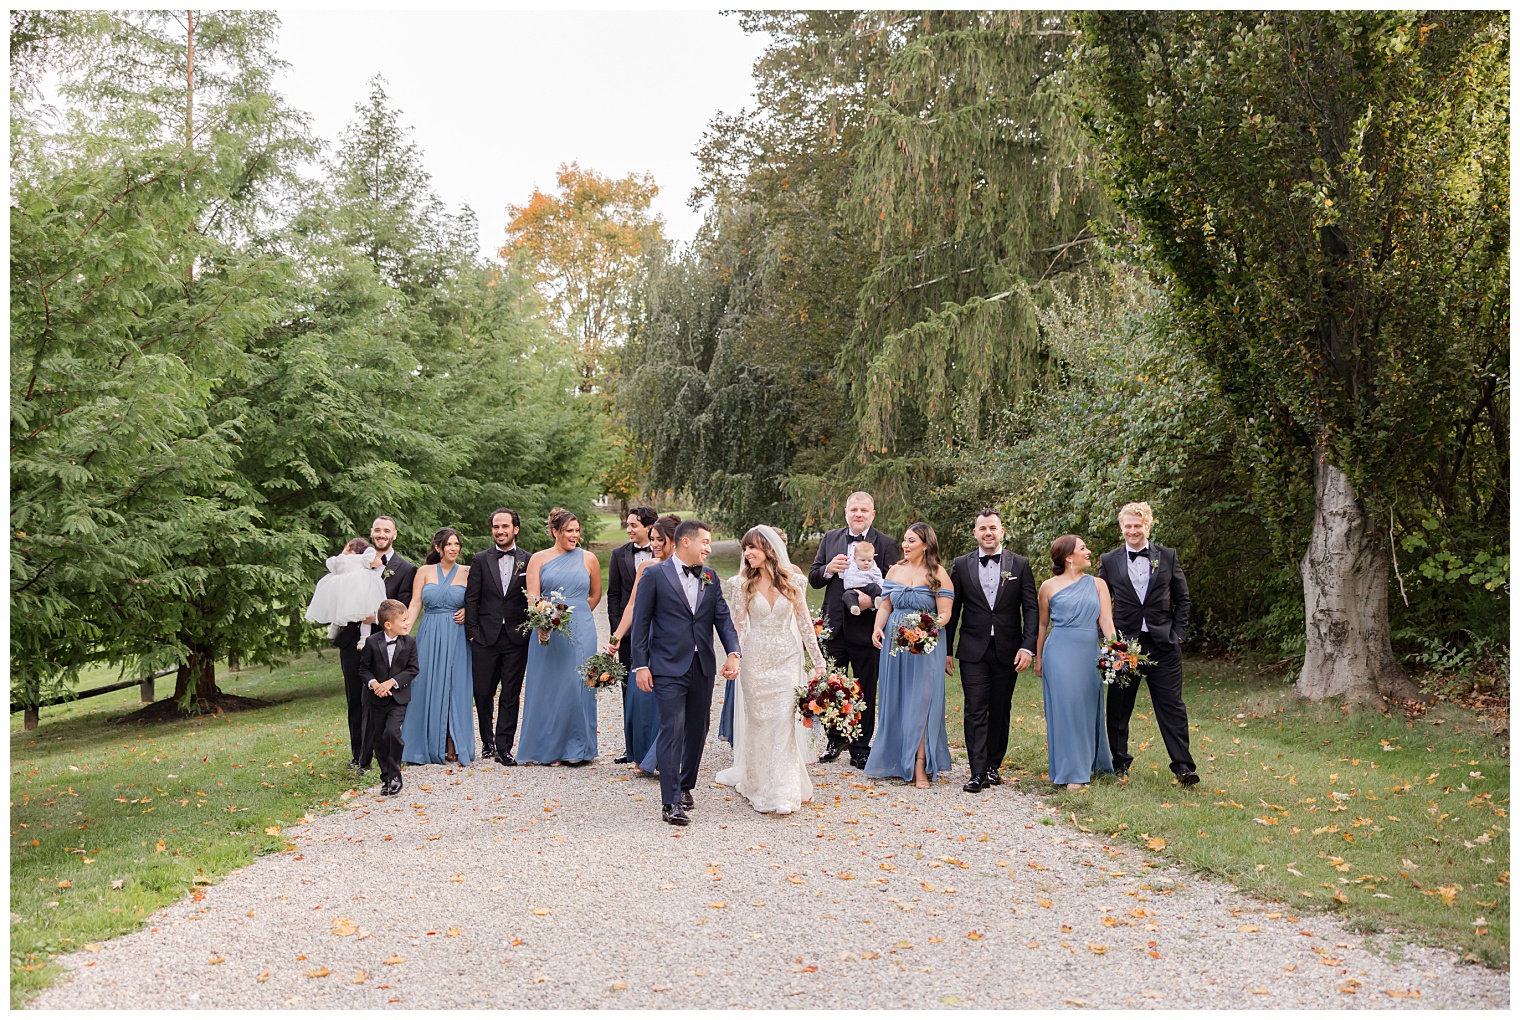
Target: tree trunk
1347, 649
195, 682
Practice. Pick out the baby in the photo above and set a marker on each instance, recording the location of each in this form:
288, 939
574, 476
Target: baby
862, 578
352, 590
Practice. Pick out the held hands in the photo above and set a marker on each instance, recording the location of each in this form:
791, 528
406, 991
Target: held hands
1022, 660
731, 666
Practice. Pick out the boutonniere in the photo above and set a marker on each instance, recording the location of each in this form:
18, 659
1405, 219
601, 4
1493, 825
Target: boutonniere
389, 573
1008, 575
706, 578
1153, 564
522, 567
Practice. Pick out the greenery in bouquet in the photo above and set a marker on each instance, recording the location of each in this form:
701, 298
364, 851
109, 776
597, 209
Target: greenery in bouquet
918, 633
833, 699
821, 628
546, 614
1120, 659
603, 670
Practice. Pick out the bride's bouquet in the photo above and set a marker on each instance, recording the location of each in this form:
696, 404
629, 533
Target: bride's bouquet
603, 670
546, 614
821, 628
834, 699
1120, 659
918, 633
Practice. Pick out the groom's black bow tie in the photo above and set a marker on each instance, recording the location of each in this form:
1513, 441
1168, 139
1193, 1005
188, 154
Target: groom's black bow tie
695, 570
994, 558
1146, 552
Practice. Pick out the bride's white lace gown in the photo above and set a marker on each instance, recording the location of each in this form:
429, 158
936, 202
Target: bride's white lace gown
770, 742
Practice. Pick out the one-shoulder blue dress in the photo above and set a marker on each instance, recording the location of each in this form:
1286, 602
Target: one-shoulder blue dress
1075, 730
910, 694
559, 710
443, 695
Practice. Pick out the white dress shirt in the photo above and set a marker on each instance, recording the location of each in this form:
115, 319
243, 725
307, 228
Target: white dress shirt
505, 565
691, 586
1139, 576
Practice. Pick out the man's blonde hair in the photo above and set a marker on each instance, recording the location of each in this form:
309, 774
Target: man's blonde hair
1140, 510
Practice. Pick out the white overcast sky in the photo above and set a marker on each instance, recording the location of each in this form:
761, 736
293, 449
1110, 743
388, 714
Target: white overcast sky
498, 100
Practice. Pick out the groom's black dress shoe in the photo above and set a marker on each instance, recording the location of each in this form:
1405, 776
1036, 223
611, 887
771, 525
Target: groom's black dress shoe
992, 778
674, 814
831, 754
686, 800
622, 759
976, 785
1187, 778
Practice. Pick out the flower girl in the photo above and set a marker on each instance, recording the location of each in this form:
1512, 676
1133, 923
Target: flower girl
352, 590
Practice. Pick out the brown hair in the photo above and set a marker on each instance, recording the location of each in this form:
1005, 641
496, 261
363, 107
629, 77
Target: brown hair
440, 539
560, 518
754, 539
931, 549
1060, 550
665, 527
389, 610
356, 545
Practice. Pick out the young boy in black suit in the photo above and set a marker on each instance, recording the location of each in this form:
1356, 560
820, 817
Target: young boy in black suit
387, 667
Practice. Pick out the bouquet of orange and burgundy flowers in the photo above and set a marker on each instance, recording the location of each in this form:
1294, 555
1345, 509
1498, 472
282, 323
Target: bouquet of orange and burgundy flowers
603, 670
1120, 659
821, 628
918, 633
546, 614
834, 699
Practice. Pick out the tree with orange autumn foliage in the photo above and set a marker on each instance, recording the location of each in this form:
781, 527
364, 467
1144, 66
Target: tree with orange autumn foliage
583, 248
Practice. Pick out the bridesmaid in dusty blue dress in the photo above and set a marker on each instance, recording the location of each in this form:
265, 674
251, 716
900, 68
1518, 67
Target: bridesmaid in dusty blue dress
1074, 608
910, 742
440, 723
559, 710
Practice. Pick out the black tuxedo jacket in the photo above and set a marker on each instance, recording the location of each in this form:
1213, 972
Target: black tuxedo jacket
490, 612
856, 629
620, 576
1010, 623
1167, 604
402, 668
399, 575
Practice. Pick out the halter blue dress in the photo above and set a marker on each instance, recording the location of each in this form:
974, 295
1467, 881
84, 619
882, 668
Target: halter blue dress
559, 710
910, 694
1075, 730
443, 694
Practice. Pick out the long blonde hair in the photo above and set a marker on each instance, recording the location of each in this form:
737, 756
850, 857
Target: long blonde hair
784, 582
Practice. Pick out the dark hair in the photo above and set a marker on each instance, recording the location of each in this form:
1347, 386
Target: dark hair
931, 548
666, 527
516, 520
356, 545
986, 511
440, 539
1060, 550
389, 610
688, 528
560, 518
646, 515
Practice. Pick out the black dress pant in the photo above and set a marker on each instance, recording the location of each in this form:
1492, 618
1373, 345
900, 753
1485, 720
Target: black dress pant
499, 667
685, 715
1164, 678
382, 735
865, 662
348, 661
988, 687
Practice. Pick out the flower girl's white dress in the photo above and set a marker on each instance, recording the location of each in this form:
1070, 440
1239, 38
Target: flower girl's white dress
350, 591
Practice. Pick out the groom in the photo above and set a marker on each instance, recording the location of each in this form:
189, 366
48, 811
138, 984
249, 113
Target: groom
1151, 601
673, 656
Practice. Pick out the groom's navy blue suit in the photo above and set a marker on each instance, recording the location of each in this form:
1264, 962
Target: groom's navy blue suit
675, 644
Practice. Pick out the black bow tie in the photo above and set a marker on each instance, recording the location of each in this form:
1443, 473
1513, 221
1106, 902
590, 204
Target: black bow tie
1146, 552
641, 548
694, 571
855, 538
391, 641
994, 558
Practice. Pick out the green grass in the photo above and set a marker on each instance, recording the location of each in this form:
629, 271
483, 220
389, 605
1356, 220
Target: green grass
110, 823
1416, 839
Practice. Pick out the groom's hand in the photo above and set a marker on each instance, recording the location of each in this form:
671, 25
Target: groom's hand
731, 666
644, 679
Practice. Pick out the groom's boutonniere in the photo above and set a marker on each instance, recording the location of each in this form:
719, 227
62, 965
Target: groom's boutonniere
706, 578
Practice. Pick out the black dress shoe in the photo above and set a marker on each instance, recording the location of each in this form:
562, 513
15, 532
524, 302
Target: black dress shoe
488, 751
391, 787
832, 754
674, 814
686, 800
858, 760
622, 759
577, 764
505, 759
976, 785
1187, 778
1121, 773
992, 779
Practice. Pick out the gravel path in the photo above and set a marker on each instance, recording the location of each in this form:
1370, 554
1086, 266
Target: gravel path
553, 887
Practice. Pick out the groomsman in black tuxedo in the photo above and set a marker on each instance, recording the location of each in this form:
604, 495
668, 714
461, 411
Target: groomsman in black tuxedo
622, 568
1151, 601
398, 575
494, 608
851, 647
996, 613
387, 667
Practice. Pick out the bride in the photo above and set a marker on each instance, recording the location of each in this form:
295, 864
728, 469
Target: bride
775, 629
